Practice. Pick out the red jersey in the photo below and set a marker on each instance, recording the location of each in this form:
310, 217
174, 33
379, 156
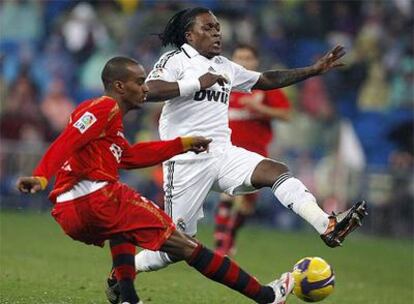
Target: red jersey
249, 129
93, 147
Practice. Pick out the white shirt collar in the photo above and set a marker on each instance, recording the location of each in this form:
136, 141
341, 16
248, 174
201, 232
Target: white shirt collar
189, 50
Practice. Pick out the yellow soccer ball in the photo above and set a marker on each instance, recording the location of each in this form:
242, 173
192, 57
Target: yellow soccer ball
314, 279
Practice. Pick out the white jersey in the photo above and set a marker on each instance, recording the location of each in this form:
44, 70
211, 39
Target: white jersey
204, 113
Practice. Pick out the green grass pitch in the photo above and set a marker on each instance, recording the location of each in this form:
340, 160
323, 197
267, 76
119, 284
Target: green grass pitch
39, 264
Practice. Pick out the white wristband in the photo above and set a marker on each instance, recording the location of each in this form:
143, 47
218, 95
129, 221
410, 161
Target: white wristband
188, 86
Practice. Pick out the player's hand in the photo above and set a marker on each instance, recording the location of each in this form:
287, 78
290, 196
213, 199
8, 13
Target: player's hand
31, 184
209, 79
195, 144
330, 60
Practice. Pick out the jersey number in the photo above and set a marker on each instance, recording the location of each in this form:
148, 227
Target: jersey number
116, 151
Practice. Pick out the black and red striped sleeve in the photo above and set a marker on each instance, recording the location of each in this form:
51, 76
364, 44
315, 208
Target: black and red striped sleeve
147, 154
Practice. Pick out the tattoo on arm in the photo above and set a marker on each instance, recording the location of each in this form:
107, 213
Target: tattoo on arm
281, 78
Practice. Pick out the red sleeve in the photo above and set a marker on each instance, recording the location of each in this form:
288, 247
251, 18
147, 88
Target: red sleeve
84, 126
277, 99
148, 154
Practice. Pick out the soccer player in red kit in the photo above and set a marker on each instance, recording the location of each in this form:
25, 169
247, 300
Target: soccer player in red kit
92, 206
250, 116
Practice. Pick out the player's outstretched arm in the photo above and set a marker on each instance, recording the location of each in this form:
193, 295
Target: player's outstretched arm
31, 184
281, 78
147, 154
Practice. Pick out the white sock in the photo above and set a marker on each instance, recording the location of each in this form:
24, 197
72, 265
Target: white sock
147, 260
293, 194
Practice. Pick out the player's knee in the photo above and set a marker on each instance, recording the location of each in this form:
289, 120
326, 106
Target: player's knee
184, 252
267, 172
188, 246
280, 168
179, 246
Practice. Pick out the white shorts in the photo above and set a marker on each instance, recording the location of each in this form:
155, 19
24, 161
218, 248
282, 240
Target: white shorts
188, 182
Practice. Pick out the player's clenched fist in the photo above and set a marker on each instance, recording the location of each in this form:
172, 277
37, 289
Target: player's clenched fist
31, 184
208, 79
196, 144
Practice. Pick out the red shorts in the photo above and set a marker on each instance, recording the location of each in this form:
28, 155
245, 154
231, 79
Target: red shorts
111, 211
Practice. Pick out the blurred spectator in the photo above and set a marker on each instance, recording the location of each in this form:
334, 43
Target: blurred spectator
88, 82
274, 19
150, 23
314, 99
21, 20
57, 106
402, 85
20, 119
53, 11
16, 59
144, 52
115, 20
344, 18
3, 92
312, 20
374, 92
128, 6
83, 31
370, 38
403, 136
53, 62
242, 29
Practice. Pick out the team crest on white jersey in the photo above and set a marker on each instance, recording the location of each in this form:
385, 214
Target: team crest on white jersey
156, 74
181, 225
85, 122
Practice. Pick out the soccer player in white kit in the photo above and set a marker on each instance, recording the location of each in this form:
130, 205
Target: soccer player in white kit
196, 82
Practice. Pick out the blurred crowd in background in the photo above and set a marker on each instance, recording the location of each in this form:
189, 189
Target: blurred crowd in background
351, 135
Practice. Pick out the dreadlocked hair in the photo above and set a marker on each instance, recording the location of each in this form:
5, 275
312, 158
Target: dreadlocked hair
174, 32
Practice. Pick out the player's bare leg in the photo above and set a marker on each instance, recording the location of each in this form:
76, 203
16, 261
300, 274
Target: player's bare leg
293, 194
223, 270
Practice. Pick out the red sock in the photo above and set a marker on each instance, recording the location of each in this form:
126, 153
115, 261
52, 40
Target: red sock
236, 221
123, 258
225, 271
238, 218
222, 234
